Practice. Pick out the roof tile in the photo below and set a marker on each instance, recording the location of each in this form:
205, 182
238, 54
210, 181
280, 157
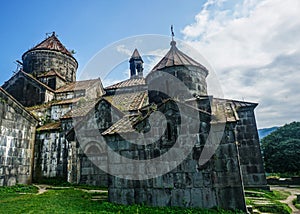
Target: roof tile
128, 101
77, 86
52, 43
176, 57
124, 125
51, 73
128, 83
81, 109
50, 126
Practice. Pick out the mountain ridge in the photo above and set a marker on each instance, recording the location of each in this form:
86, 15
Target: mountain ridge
266, 131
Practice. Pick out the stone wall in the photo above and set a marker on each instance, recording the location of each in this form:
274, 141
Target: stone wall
39, 61
27, 91
193, 78
95, 91
59, 110
218, 182
53, 82
17, 130
84, 160
50, 155
64, 95
88, 151
90, 173
249, 149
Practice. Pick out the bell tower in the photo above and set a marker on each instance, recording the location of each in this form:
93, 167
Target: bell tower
136, 65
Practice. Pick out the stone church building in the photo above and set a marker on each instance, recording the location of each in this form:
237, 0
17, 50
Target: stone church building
53, 126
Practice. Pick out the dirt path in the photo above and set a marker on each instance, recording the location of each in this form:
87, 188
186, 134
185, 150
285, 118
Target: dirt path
44, 188
289, 200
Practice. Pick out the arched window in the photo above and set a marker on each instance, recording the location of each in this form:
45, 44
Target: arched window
92, 150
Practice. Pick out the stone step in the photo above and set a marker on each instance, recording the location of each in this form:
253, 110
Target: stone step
99, 198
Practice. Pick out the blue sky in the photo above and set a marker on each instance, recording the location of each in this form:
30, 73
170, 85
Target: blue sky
253, 45
85, 26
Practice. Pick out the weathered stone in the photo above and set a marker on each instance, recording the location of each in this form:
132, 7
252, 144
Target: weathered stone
83, 155
15, 147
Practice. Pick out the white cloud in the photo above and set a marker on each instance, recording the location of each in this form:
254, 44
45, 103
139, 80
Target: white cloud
124, 50
254, 47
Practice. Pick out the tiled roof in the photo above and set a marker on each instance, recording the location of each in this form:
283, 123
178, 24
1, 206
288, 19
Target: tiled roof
176, 57
128, 122
81, 109
68, 101
128, 101
83, 114
237, 103
52, 43
128, 83
50, 126
39, 107
222, 110
78, 85
124, 125
51, 73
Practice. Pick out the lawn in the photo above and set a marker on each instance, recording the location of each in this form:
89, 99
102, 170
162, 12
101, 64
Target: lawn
267, 201
23, 199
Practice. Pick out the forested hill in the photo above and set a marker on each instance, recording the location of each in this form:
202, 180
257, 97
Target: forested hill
281, 149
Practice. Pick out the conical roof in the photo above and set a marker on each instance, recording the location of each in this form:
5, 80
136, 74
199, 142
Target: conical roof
176, 57
136, 54
52, 43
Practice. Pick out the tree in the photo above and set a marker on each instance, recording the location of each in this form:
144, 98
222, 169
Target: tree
281, 149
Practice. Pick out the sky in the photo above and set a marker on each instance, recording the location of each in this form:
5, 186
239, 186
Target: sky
252, 45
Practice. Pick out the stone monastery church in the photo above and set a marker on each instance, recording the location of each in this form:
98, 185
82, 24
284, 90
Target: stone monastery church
53, 126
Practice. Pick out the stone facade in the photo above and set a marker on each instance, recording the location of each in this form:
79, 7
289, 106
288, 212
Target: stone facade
17, 134
80, 122
50, 156
36, 62
249, 148
90, 153
218, 182
28, 90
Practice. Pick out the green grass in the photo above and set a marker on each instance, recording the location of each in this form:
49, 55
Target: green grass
19, 188
70, 200
280, 195
272, 197
295, 202
60, 182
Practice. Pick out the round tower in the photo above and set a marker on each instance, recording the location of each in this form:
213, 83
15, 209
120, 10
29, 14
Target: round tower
49, 55
173, 70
